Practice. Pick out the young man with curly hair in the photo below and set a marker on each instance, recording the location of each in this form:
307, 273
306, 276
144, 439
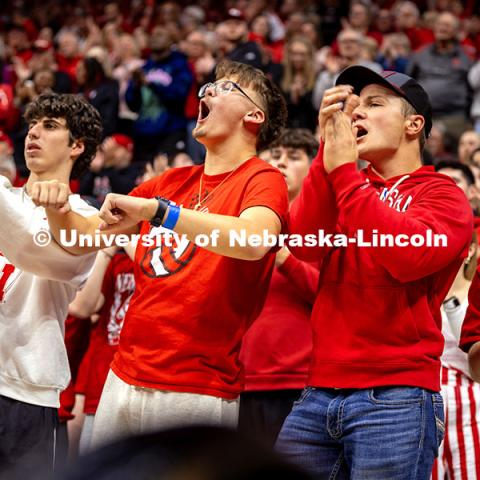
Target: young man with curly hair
38, 282
178, 357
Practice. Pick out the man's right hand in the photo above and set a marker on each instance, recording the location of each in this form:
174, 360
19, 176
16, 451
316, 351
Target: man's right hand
51, 194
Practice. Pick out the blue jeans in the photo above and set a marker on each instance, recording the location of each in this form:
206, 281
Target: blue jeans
388, 433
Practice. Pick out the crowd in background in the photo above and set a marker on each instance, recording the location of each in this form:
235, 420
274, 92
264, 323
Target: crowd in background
141, 63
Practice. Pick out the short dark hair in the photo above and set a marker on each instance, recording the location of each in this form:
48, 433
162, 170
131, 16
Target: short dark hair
300, 138
465, 169
273, 100
82, 119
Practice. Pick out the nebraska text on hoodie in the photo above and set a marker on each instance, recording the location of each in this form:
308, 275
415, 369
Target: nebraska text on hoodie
376, 319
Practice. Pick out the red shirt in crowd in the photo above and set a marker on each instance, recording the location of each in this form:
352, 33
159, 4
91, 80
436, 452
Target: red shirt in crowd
191, 307
118, 287
277, 348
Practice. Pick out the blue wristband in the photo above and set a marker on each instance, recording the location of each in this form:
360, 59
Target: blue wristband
172, 217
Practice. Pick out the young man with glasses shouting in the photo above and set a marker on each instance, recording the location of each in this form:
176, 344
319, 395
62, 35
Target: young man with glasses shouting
177, 362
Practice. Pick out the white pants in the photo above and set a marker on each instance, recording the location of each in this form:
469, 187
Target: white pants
126, 410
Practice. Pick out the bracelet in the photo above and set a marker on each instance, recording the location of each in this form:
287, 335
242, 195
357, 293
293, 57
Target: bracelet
159, 216
172, 217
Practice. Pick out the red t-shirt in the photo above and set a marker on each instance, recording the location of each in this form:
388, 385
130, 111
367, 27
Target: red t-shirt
118, 287
191, 307
277, 348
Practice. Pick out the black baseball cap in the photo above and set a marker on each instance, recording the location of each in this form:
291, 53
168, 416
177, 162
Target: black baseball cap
359, 77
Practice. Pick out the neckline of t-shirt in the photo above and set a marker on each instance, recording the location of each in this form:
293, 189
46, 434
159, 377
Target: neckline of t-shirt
221, 176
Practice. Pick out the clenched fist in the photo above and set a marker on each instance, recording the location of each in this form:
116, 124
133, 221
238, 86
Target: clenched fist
51, 194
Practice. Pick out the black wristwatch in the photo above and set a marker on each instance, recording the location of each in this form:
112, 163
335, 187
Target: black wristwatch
451, 303
158, 218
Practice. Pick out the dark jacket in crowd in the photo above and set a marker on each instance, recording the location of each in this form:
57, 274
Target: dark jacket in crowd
161, 103
444, 77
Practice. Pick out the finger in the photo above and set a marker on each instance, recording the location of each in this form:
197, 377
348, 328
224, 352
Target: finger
44, 194
330, 110
65, 208
106, 211
338, 96
352, 102
35, 193
53, 192
62, 197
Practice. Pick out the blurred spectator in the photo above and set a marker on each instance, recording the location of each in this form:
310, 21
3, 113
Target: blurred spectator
442, 69
182, 159
407, 21
239, 48
43, 58
113, 170
463, 176
350, 48
158, 92
156, 167
6, 144
68, 55
469, 141
7, 167
360, 19
474, 81
294, 24
100, 90
297, 83
439, 144
330, 12
192, 19
395, 52
261, 33
128, 60
384, 22
193, 453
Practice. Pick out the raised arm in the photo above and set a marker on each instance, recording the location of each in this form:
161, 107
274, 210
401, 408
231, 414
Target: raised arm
64, 222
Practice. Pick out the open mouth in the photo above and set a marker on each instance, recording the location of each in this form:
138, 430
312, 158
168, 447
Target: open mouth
361, 133
204, 111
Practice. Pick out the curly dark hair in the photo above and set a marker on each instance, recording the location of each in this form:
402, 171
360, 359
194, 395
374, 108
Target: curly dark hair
82, 119
272, 98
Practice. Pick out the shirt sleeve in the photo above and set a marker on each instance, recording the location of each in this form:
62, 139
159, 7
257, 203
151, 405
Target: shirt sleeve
19, 242
302, 276
268, 189
441, 209
471, 325
314, 209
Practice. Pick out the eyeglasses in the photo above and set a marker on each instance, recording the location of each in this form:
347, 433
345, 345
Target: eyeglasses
224, 87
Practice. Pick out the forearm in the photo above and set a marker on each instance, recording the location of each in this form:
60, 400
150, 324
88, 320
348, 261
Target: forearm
65, 227
443, 211
226, 233
302, 276
314, 209
87, 299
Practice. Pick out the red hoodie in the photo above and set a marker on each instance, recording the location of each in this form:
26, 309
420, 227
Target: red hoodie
376, 319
